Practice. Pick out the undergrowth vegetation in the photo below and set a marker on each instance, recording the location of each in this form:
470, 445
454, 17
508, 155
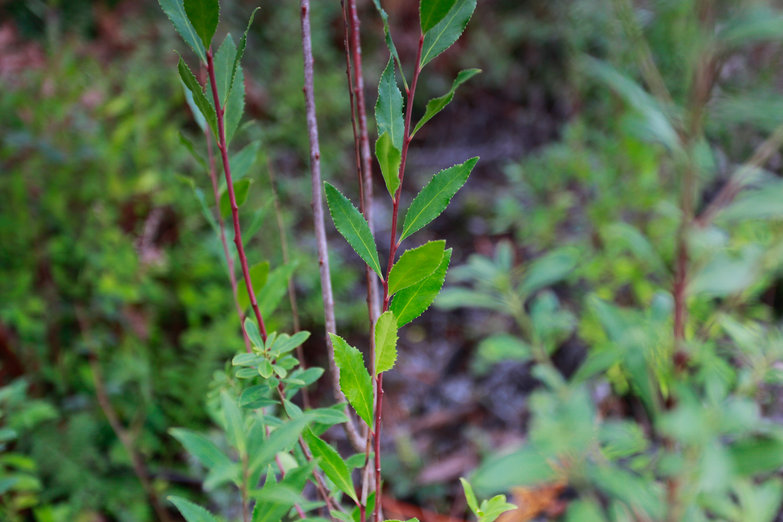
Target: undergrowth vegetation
207, 276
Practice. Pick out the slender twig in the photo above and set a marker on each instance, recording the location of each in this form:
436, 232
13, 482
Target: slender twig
127, 440
393, 244
351, 430
226, 253
223, 146
731, 188
291, 290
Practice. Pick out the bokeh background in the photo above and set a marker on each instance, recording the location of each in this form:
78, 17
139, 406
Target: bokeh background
546, 370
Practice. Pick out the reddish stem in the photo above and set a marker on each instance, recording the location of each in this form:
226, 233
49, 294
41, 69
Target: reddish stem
393, 244
223, 146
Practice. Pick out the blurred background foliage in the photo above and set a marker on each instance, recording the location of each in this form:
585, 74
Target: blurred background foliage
116, 315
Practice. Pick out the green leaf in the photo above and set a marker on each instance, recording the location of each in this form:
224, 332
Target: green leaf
224, 64
235, 426
190, 81
204, 15
447, 31
253, 333
411, 302
523, 467
435, 105
191, 511
764, 201
548, 270
272, 293
387, 35
282, 439
258, 275
241, 190
470, 497
433, 11
435, 196
389, 159
243, 160
388, 107
415, 264
355, 381
284, 343
203, 449
754, 24
491, 509
256, 397
385, 342
499, 348
175, 10
332, 465
242, 47
235, 105
353, 227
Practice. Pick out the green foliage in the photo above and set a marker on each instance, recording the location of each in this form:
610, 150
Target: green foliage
435, 105
385, 342
415, 265
353, 227
409, 303
443, 34
355, 380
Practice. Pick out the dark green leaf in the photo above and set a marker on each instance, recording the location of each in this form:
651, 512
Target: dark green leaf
435, 196
411, 302
385, 342
258, 275
256, 397
388, 107
175, 10
389, 159
253, 333
224, 63
757, 455
435, 105
190, 81
242, 46
433, 11
353, 227
203, 449
241, 190
415, 264
203, 15
332, 465
355, 381
447, 31
282, 439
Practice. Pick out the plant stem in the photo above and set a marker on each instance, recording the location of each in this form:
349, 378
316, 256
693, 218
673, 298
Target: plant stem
393, 244
351, 430
223, 146
227, 254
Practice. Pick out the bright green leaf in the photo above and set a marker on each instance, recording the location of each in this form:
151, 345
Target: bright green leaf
191, 511
411, 302
388, 107
353, 227
385, 342
447, 30
253, 333
175, 10
433, 11
389, 159
203, 15
470, 497
415, 264
435, 105
224, 63
332, 464
435, 196
355, 381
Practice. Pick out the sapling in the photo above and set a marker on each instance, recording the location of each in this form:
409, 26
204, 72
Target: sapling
260, 421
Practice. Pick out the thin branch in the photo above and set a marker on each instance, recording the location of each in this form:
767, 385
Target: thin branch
291, 290
761, 155
226, 253
126, 439
351, 430
223, 146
